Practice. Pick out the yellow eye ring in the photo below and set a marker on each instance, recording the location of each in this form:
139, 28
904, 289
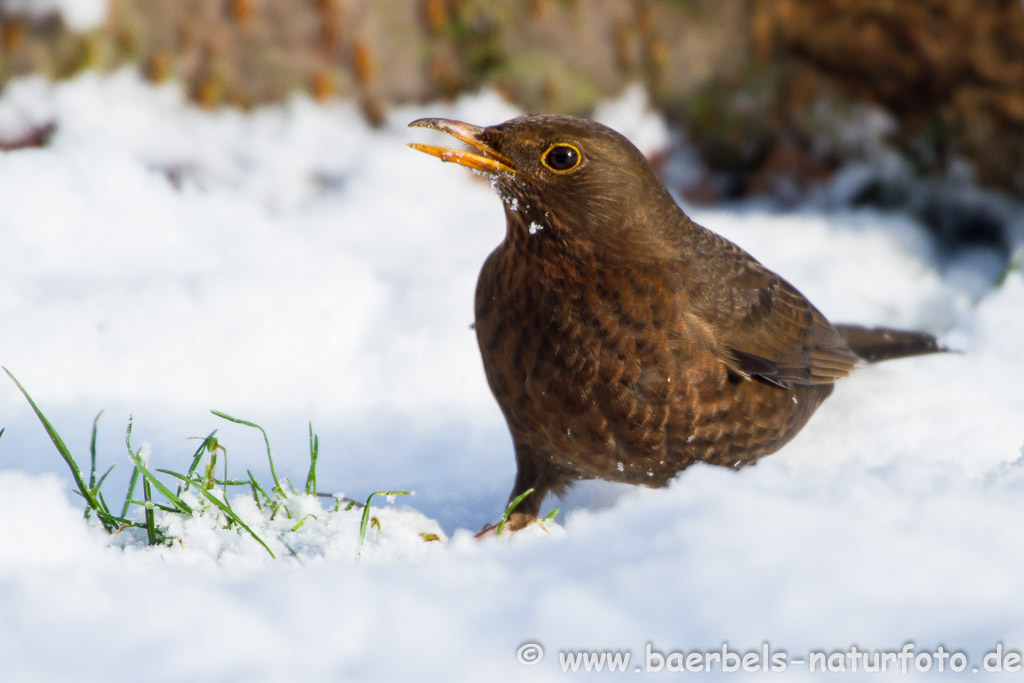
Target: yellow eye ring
561, 157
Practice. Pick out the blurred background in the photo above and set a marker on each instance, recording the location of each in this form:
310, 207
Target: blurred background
910, 105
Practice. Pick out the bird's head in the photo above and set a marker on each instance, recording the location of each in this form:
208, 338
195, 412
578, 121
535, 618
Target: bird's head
574, 178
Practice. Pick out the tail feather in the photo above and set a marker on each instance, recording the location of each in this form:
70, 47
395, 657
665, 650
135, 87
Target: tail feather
875, 344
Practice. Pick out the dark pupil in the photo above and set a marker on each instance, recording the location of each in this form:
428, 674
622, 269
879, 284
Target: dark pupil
562, 158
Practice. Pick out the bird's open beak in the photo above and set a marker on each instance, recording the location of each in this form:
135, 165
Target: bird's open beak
489, 161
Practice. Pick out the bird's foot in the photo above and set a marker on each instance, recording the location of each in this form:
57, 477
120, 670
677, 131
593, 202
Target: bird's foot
487, 530
515, 522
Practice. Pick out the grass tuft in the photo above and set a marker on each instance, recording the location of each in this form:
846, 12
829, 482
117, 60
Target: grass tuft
201, 477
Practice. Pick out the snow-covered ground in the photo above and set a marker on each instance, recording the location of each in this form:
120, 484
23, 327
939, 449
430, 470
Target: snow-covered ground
292, 265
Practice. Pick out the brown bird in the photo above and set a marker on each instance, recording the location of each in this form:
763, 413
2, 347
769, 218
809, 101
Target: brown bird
622, 340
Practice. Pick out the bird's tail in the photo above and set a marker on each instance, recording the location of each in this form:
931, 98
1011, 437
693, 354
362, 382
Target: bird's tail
875, 344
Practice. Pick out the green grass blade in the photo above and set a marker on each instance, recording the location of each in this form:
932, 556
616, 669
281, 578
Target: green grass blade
281, 505
92, 463
225, 452
229, 482
291, 551
256, 487
226, 509
92, 451
303, 521
255, 496
314, 450
131, 491
147, 495
155, 506
273, 473
366, 515
99, 496
147, 490
149, 476
511, 507
99, 484
550, 515
197, 457
62, 448
120, 521
134, 476
55, 438
209, 475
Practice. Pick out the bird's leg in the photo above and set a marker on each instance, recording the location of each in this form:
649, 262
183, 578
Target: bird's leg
532, 473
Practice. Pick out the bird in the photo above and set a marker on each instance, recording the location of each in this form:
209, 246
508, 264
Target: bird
623, 341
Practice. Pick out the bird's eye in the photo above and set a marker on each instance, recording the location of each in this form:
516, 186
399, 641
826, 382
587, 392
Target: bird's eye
561, 157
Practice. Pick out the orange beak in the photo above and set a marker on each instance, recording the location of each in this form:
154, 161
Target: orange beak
489, 161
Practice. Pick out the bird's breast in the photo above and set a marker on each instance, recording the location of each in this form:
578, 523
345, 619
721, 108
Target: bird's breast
587, 361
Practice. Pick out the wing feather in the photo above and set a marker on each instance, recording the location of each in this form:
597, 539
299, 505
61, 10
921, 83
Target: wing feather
764, 327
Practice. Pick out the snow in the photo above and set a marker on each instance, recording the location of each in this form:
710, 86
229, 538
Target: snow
631, 115
78, 15
292, 265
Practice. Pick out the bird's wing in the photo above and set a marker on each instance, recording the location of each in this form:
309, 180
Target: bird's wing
763, 326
